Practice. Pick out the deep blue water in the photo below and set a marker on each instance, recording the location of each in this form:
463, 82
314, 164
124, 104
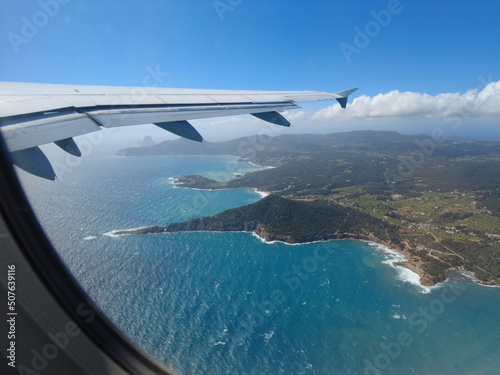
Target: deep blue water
227, 303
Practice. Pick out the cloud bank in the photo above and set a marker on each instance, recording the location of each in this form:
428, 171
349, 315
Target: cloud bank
473, 103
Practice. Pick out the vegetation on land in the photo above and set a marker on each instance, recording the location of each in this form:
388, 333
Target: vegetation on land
437, 201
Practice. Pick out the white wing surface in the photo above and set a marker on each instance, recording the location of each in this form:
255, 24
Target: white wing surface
33, 114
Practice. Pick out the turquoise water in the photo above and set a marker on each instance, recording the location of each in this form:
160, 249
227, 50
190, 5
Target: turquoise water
228, 303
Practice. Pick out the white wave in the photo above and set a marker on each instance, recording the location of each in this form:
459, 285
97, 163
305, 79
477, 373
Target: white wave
268, 336
408, 276
260, 166
114, 232
472, 279
263, 239
262, 194
404, 274
278, 241
88, 238
487, 285
290, 244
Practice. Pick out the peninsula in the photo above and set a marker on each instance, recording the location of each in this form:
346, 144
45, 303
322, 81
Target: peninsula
442, 211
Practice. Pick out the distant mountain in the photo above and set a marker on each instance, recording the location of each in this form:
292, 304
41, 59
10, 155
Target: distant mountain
264, 149
147, 141
292, 142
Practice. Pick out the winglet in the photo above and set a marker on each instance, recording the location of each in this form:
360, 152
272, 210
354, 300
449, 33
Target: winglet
342, 99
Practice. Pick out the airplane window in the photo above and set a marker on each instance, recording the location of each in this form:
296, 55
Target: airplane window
263, 217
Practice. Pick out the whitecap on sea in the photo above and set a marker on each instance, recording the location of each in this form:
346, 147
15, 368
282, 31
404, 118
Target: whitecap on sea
268, 336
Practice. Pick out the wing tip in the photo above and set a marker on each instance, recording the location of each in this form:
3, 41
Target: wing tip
343, 96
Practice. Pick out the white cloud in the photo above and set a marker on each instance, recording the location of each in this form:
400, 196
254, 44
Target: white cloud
294, 115
400, 111
246, 120
473, 103
225, 120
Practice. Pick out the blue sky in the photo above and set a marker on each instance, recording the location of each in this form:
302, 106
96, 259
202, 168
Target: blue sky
420, 47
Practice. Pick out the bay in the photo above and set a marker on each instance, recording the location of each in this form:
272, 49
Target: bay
228, 303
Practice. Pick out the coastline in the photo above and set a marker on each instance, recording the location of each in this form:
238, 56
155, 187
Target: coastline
211, 184
262, 193
123, 232
257, 165
175, 182
408, 270
397, 259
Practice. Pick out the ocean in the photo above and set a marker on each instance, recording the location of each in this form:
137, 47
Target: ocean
229, 303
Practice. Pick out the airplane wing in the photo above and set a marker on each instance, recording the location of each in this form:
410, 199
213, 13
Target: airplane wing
33, 114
